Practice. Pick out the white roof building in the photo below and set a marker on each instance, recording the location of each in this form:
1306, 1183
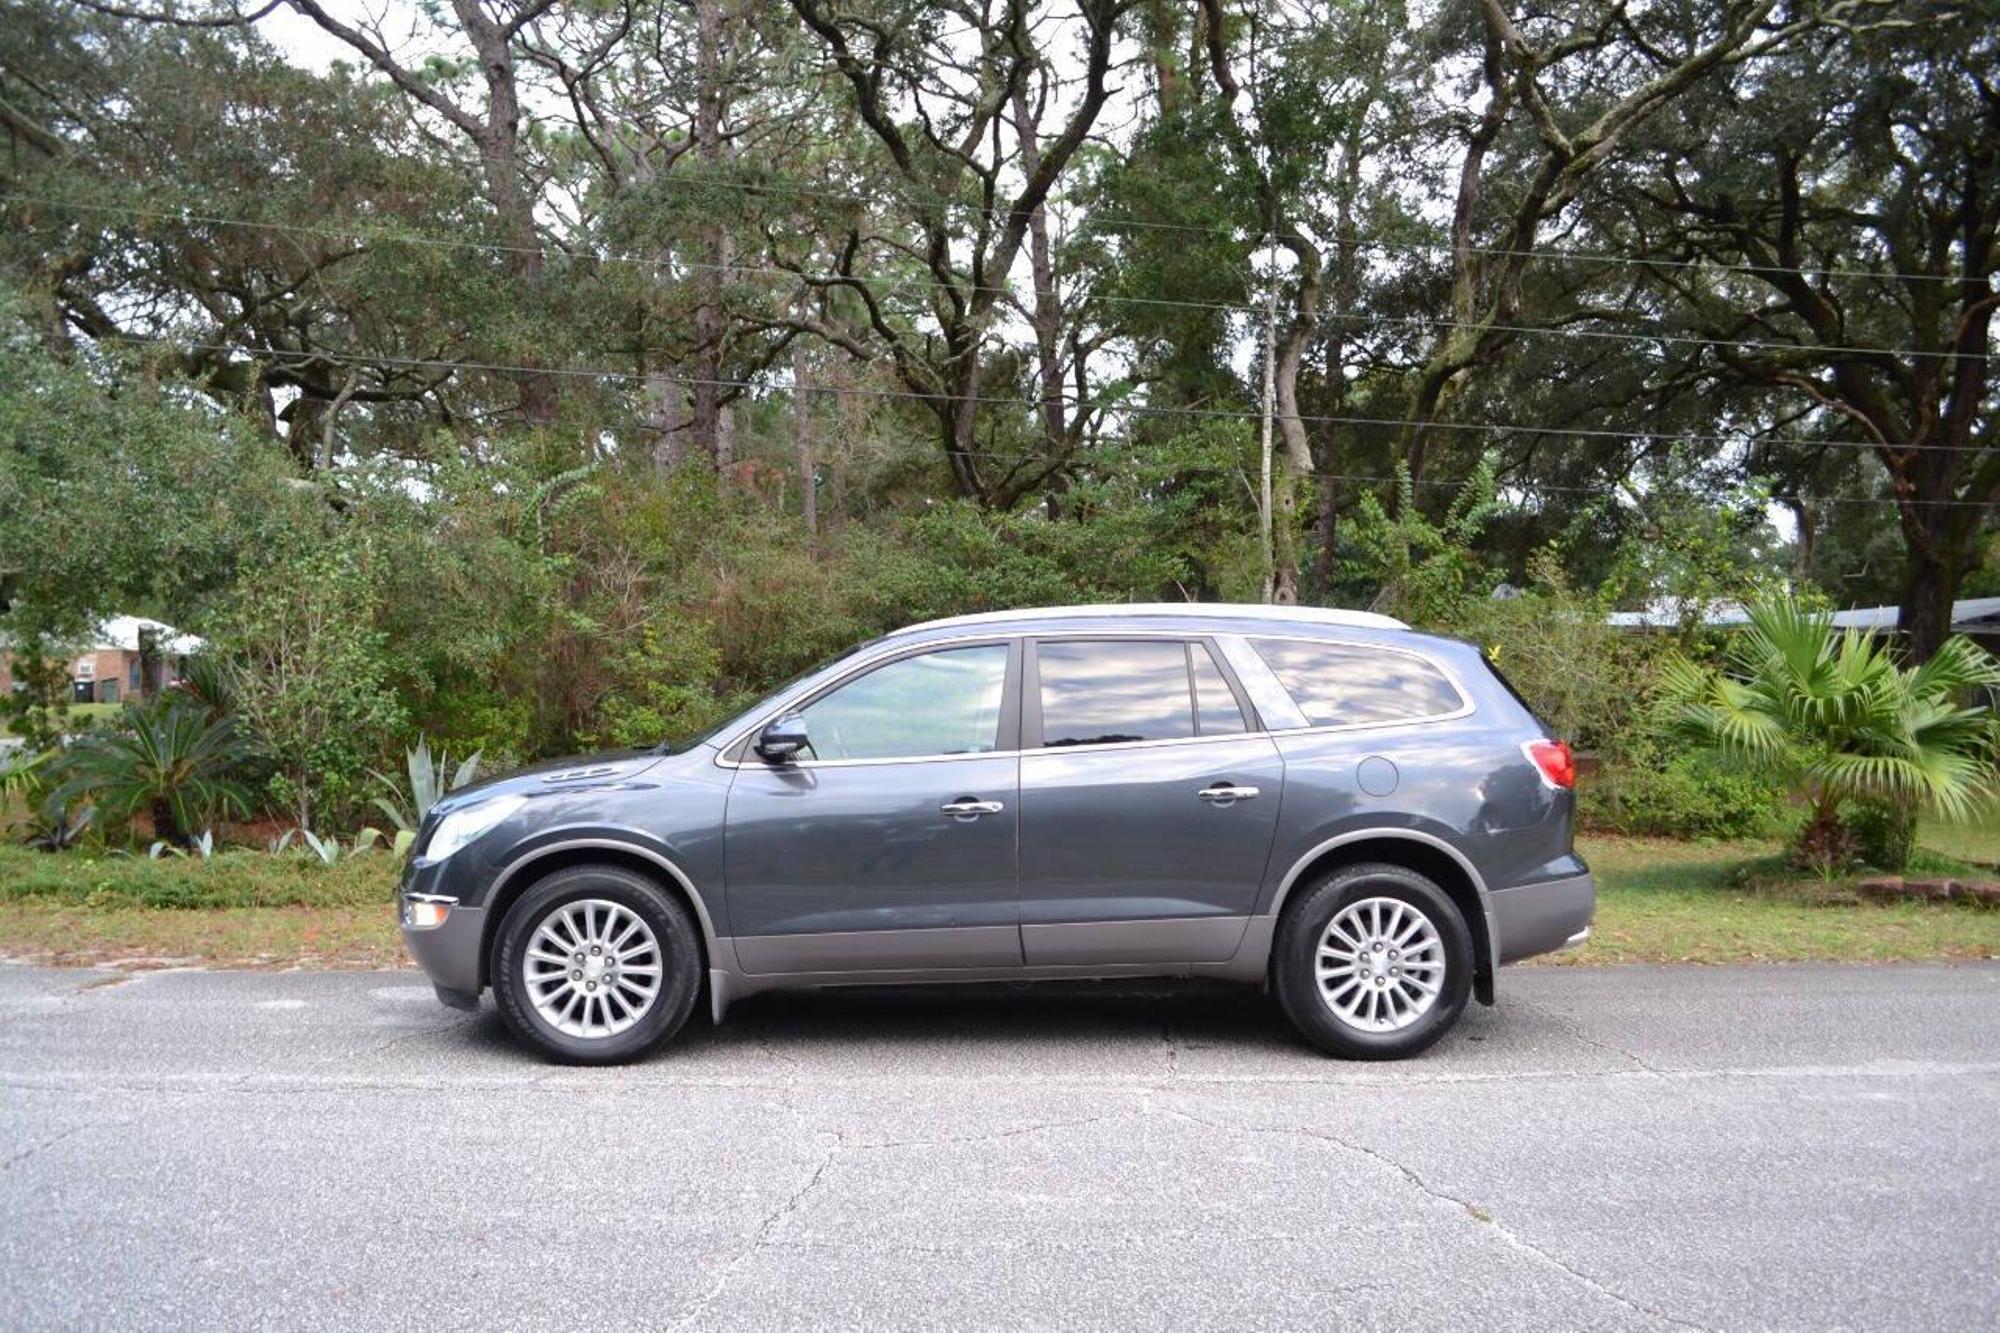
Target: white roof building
1969, 615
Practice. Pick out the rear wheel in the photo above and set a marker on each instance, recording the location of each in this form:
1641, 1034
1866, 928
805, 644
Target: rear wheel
1374, 962
596, 965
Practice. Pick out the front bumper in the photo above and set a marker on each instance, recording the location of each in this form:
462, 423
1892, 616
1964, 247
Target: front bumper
1541, 918
449, 953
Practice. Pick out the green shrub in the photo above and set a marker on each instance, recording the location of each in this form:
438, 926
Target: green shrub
227, 879
1884, 832
1683, 796
309, 670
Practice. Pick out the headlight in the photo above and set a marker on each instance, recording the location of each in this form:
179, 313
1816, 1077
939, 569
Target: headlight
460, 827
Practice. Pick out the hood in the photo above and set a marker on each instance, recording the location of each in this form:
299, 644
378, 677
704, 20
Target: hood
576, 773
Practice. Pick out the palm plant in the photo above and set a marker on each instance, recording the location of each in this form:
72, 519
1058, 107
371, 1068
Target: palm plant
1832, 715
429, 780
169, 758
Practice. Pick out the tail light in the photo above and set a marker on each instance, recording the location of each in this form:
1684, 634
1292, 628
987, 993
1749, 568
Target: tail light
1557, 764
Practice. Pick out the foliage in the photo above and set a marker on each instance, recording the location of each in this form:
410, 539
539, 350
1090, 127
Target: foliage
230, 878
38, 711
117, 489
167, 758
1588, 681
1884, 832
309, 670
1832, 717
1653, 791
1427, 568
429, 780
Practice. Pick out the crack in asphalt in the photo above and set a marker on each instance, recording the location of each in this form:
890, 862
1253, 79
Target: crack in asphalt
1575, 1031
32, 1149
760, 1238
1477, 1213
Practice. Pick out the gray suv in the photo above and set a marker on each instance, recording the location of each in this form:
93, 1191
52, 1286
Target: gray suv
1364, 819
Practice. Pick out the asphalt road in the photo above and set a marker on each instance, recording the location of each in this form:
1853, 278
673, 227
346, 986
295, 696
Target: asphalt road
1796, 1146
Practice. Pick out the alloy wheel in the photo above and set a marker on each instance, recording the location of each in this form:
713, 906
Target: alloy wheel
1380, 965
592, 968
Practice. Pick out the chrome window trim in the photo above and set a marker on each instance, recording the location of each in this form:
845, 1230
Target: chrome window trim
1465, 705
1231, 641
1059, 751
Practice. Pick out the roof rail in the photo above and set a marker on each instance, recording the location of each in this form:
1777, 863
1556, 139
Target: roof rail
1301, 615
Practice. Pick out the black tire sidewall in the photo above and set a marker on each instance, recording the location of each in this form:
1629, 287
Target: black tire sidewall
1294, 975
672, 925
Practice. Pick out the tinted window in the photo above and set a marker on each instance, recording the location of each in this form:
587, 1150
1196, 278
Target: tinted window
947, 702
1097, 693
1215, 702
1340, 685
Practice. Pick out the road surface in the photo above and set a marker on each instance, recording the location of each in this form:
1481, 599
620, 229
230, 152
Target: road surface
1618, 1147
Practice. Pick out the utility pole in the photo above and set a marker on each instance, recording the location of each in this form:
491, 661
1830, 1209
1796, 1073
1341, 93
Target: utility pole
1270, 334
1264, 438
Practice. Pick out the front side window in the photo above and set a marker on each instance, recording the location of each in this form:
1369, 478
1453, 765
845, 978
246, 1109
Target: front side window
1349, 686
941, 703
1102, 692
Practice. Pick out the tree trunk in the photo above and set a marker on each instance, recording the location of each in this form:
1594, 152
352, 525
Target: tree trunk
710, 106
802, 440
1923, 615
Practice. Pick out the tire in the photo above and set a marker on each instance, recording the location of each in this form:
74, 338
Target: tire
1370, 1006
601, 1001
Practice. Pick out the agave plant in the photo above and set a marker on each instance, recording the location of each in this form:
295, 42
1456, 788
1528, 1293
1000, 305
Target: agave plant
169, 758
1834, 717
429, 780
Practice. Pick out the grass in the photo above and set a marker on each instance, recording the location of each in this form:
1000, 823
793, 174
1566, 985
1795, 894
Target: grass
79, 715
1977, 842
239, 909
1666, 901
1658, 901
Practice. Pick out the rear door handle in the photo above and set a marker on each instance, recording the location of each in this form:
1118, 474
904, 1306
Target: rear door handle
966, 809
1224, 793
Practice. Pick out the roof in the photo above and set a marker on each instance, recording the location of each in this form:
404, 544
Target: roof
122, 633
1968, 614
1297, 615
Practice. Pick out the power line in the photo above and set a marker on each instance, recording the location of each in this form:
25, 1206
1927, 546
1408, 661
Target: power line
835, 279
911, 395
1501, 485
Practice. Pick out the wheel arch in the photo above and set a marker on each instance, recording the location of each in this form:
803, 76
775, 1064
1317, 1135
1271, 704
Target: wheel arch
526, 871
1428, 855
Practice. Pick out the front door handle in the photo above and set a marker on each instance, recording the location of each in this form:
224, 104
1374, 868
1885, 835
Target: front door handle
1223, 793
966, 809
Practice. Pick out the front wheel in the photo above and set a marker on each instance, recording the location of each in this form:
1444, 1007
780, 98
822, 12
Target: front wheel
596, 965
1374, 962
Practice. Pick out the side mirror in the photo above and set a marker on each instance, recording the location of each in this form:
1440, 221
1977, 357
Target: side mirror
781, 741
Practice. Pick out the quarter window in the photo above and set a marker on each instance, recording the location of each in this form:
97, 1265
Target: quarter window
941, 703
1101, 692
1345, 685
1215, 703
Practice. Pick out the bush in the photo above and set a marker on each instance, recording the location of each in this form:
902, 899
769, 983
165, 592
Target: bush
1884, 832
309, 670
1684, 796
228, 879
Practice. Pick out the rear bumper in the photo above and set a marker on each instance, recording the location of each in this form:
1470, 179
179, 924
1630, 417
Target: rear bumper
1541, 918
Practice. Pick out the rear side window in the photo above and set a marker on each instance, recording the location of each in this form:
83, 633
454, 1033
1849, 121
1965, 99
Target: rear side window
1344, 685
1101, 692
